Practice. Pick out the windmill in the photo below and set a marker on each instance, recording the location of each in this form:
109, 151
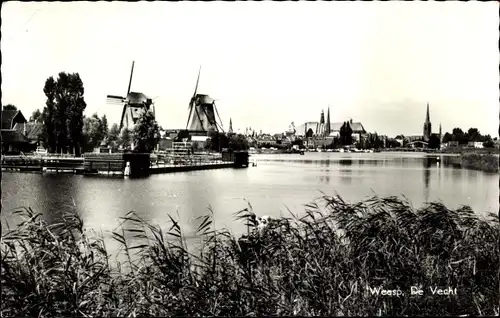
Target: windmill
202, 110
133, 105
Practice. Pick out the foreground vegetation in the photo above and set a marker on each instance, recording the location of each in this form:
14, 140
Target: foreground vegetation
321, 264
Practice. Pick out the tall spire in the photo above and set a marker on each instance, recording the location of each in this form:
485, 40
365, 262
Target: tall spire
328, 128
427, 126
427, 117
230, 131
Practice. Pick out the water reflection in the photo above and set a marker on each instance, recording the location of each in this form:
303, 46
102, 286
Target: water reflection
269, 187
324, 179
427, 176
345, 162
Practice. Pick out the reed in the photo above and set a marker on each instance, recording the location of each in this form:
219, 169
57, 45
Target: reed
480, 161
322, 262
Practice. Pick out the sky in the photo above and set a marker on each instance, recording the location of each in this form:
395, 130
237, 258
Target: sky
267, 64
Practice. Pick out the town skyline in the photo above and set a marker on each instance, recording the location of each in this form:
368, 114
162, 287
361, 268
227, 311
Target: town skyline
374, 73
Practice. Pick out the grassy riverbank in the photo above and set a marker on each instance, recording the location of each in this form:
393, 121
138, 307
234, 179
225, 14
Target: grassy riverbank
322, 264
479, 161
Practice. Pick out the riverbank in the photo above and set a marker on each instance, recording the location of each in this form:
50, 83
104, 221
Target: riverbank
477, 161
335, 261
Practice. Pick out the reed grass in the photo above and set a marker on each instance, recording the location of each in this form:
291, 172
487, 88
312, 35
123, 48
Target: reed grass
480, 161
320, 263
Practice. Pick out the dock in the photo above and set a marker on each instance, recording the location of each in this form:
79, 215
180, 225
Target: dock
169, 168
113, 164
43, 164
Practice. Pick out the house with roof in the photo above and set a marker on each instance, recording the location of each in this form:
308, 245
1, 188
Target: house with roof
14, 132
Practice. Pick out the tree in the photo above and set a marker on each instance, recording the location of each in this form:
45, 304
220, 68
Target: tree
298, 142
114, 134
36, 115
473, 134
485, 138
93, 132
489, 144
346, 134
373, 141
458, 135
183, 134
309, 133
104, 126
238, 142
447, 137
125, 138
146, 133
392, 143
9, 107
63, 112
434, 142
195, 146
217, 141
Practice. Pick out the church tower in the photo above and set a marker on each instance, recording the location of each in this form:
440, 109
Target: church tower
427, 126
320, 130
440, 133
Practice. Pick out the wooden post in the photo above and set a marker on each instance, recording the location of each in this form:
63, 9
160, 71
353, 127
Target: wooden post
109, 167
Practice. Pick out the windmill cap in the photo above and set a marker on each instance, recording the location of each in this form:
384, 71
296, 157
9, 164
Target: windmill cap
137, 98
204, 99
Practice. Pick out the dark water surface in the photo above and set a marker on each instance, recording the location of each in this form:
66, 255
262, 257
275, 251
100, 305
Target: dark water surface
279, 181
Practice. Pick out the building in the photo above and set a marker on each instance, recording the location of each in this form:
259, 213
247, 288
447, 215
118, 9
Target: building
358, 130
266, 140
475, 144
324, 129
15, 131
10, 118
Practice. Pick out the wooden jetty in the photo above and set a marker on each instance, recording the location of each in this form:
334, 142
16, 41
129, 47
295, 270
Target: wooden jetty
140, 164
169, 168
43, 164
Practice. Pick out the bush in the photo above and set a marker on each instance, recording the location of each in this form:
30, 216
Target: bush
320, 264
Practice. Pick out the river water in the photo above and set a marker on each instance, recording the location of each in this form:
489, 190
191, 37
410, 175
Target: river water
277, 183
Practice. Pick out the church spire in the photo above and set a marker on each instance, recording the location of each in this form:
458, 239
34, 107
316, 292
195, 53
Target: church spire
328, 128
427, 126
230, 131
427, 117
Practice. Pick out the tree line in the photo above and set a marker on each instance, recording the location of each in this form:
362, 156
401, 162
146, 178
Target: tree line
217, 141
473, 134
66, 129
